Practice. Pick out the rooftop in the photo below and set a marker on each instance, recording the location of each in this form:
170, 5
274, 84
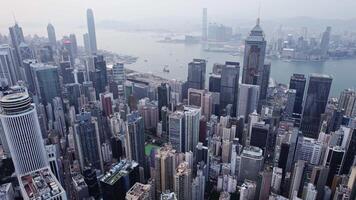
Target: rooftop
119, 170
138, 191
40, 184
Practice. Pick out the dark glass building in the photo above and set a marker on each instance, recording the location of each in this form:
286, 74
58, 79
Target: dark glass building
297, 82
314, 105
229, 86
196, 74
164, 97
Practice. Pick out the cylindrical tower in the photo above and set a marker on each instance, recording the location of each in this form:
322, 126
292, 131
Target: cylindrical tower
23, 134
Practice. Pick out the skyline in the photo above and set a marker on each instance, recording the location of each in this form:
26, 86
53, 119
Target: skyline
128, 11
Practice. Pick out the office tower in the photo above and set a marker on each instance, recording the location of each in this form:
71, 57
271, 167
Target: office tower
118, 75
229, 86
192, 124
91, 31
41, 183
73, 95
80, 188
53, 155
202, 99
318, 178
251, 163
22, 131
254, 56
17, 38
164, 97
51, 33
136, 138
198, 186
196, 74
350, 153
91, 180
74, 47
264, 84
139, 191
288, 110
297, 82
325, 40
177, 131
333, 160
164, 165
119, 179
99, 75
8, 65
214, 82
310, 150
86, 41
315, 102
297, 178
149, 113
183, 181
347, 102
276, 180
46, 81
247, 100
88, 141
204, 34
259, 136
107, 101
248, 190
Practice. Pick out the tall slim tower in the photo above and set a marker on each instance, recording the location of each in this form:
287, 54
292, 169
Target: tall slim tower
315, 102
229, 86
297, 82
204, 34
23, 133
196, 74
51, 35
17, 38
325, 40
91, 31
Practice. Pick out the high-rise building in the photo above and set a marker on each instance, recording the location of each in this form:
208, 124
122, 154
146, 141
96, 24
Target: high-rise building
177, 131
51, 33
118, 74
46, 81
347, 102
350, 153
333, 160
297, 178
248, 190
251, 163
8, 65
288, 110
325, 40
276, 180
91, 31
314, 105
99, 75
88, 141
196, 74
183, 181
229, 86
80, 188
259, 136
198, 186
310, 193
204, 34
297, 82
119, 179
136, 138
192, 124
17, 38
140, 191
73, 41
86, 41
214, 82
164, 165
254, 56
164, 97
23, 133
247, 100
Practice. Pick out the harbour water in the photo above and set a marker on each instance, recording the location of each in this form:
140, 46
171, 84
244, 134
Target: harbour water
153, 56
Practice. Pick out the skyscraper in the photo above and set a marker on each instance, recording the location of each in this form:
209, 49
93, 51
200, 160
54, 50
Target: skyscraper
8, 65
91, 31
192, 124
23, 133
254, 56
164, 97
177, 131
333, 159
229, 86
183, 182
247, 100
251, 163
196, 74
51, 35
88, 141
314, 105
297, 82
325, 40
118, 73
204, 34
136, 138
17, 38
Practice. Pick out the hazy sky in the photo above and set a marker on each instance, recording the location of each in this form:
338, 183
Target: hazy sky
72, 12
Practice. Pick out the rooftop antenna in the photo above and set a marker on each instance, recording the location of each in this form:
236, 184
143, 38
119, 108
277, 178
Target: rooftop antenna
13, 16
259, 12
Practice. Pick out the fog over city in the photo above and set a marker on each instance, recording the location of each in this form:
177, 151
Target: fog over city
177, 13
